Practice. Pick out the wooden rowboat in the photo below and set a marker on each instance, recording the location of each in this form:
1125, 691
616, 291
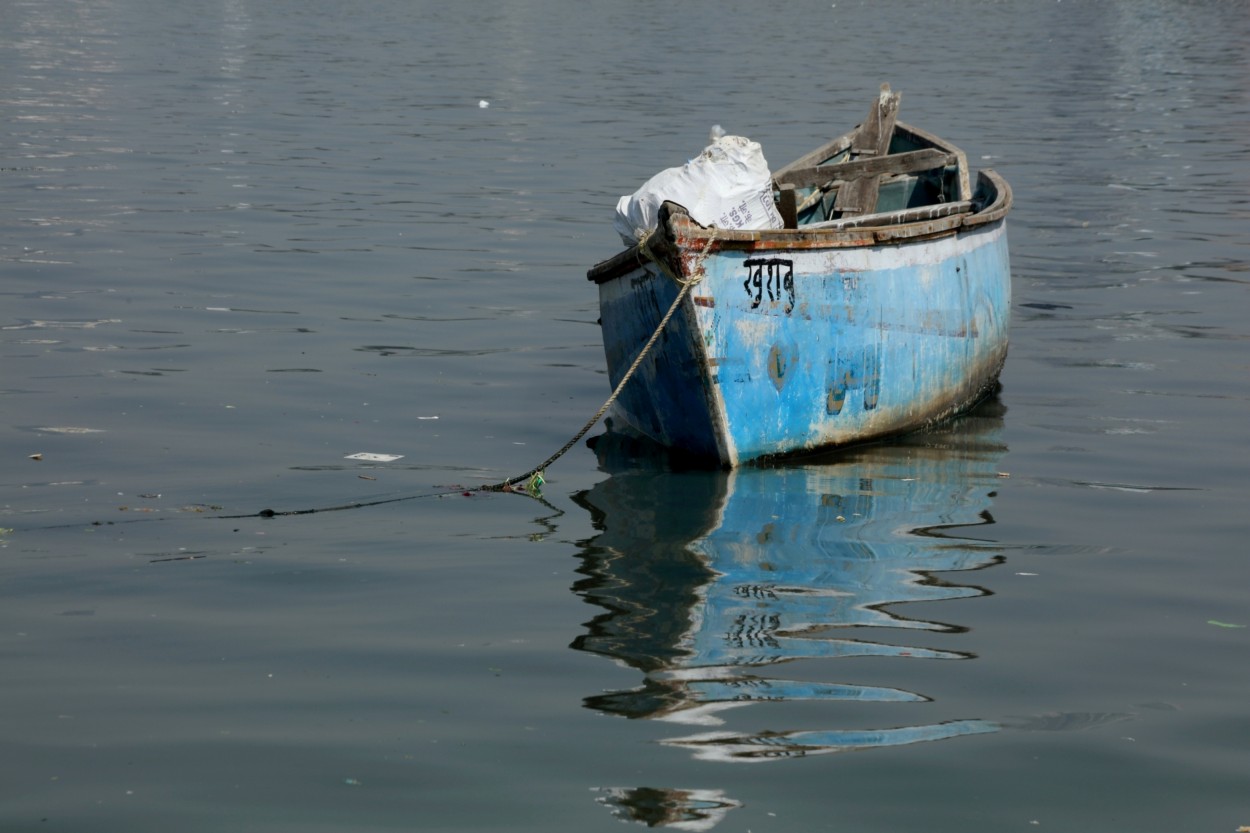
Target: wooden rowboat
881, 307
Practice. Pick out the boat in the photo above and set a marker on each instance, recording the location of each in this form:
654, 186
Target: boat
880, 307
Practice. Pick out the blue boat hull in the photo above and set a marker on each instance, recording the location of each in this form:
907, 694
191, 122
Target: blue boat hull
790, 344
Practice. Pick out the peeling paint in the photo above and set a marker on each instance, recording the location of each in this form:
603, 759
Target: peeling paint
871, 342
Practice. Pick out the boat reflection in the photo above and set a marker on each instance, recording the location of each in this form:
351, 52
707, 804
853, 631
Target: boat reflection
711, 580
680, 809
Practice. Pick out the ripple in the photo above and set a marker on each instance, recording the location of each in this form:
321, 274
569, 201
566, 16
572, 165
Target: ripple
45, 324
405, 350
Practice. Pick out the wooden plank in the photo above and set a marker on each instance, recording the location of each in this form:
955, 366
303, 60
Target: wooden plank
898, 163
826, 151
859, 196
788, 206
923, 137
918, 214
873, 138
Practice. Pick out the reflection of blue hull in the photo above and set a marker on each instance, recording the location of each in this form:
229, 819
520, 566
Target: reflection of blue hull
713, 580
803, 550
817, 336
725, 746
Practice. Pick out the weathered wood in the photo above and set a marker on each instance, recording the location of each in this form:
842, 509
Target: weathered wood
873, 138
660, 245
918, 214
994, 188
825, 152
898, 163
923, 137
859, 196
678, 233
842, 145
788, 206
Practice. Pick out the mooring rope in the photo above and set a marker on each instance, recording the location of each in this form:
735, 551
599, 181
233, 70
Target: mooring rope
534, 477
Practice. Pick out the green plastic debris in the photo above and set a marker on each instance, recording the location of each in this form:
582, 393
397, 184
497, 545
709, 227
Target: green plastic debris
1223, 624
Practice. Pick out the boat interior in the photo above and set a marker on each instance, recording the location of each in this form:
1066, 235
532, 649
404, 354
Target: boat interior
882, 181
874, 175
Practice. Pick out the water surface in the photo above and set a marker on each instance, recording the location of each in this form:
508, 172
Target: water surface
240, 242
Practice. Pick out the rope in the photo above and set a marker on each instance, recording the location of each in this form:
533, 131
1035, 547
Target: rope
264, 513
534, 477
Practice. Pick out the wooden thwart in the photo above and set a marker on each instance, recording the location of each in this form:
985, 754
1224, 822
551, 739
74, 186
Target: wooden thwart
878, 166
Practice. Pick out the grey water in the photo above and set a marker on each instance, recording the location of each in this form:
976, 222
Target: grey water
241, 242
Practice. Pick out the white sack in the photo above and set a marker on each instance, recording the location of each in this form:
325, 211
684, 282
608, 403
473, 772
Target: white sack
728, 185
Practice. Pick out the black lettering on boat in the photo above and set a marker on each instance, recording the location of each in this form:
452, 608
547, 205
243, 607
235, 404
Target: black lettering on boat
773, 276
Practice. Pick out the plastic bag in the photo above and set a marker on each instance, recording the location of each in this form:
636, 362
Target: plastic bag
728, 185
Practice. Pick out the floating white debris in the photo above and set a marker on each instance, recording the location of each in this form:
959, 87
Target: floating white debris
374, 458
483, 104
69, 429
429, 417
